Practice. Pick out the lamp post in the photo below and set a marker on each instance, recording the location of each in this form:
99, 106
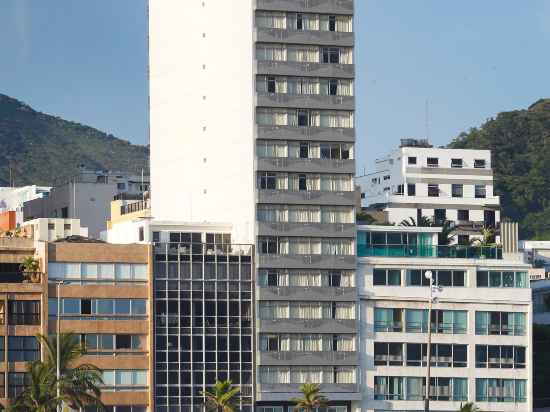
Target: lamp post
58, 372
432, 299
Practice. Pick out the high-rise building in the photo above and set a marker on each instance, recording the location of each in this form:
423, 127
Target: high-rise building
417, 180
481, 323
252, 126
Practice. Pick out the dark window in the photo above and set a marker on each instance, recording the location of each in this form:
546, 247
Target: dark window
415, 354
433, 190
24, 312
379, 277
272, 279
123, 341
457, 190
273, 343
268, 181
335, 279
303, 118
482, 279
433, 162
271, 84
331, 55
460, 356
64, 212
411, 189
304, 150
141, 234
23, 349
440, 215
480, 192
268, 245
479, 163
489, 218
85, 307
17, 381
156, 236
333, 87
302, 182
456, 162
67, 226
463, 240
299, 22
411, 160
463, 215
332, 23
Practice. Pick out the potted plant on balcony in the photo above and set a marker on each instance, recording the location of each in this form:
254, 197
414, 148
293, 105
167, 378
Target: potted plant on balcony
31, 269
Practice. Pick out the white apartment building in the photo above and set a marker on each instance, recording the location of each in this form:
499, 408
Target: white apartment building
256, 132
13, 198
481, 323
442, 184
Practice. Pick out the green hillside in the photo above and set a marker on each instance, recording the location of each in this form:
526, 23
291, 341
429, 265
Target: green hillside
41, 149
520, 145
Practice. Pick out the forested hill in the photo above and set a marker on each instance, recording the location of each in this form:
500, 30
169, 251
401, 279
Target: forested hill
40, 149
520, 145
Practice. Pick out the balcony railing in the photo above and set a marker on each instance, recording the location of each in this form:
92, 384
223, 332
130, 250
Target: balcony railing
134, 207
430, 251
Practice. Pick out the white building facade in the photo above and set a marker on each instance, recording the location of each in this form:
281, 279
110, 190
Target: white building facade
256, 132
442, 184
13, 198
481, 324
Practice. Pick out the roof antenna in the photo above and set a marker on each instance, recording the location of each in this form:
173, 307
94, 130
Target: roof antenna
427, 120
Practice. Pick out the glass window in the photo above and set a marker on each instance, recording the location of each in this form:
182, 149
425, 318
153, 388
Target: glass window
482, 279
71, 306
122, 306
123, 271
105, 306
139, 307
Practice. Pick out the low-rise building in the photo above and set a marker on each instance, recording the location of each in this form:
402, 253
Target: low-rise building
52, 229
481, 323
12, 199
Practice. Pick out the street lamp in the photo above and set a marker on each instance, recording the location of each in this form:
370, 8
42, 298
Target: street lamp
58, 372
432, 299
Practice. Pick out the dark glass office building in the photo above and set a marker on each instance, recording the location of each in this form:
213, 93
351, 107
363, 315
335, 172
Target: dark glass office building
203, 314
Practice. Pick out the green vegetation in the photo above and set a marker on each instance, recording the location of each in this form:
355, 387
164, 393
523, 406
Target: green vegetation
469, 407
79, 383
520, 145
311, 400
223, 397
42, 149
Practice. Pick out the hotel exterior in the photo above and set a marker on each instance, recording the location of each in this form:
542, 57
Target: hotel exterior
481, 323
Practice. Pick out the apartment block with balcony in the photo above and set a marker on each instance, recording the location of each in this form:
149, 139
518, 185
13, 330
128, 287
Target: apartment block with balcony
106, 301
481, 323
417, 180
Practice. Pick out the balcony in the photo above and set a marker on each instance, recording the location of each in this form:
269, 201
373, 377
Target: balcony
309, 358
334, 391
307, 261
308, 326
306, 101
325, 38
307, 229
321, 134
430, 251
282, 68
448, 170
286, 164
324, 293
310, 6
305, 197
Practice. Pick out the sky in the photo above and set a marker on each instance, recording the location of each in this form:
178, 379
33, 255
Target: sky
424, 67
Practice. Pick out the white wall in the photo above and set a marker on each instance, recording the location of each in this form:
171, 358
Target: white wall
202, 76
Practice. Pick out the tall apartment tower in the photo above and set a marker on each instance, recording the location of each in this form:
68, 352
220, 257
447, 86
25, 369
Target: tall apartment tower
252, 125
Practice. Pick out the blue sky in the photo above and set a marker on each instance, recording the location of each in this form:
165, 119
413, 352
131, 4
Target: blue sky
469, 59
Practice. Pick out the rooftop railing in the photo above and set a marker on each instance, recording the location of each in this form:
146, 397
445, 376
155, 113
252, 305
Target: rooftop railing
430, 251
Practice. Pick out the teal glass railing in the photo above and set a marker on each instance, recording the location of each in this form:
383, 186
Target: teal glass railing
430, 251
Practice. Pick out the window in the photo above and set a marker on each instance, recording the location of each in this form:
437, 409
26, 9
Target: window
456, 163
440, 215
333, 87
443, 321
303, 118
386, 277
271, 84
107, 308
24, 312
411, 160
480, 164
411, 189
480, 191
331, 23
23, 349
433, 162
433, 190
388, 354
268, 181
67, 226
121, 186
463, 215
304, 150
500, 323
388, 388
457, 190
65, 212
497, 279
446, 278
500, 356
331, 55
17, 381
123, 380
51, 226
388, 320
141, 234
501, 390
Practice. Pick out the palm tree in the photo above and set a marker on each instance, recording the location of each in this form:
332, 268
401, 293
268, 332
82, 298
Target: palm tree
79, 383
40, 394
469, 407
312, 398
222, 397
446, 236
423, 221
